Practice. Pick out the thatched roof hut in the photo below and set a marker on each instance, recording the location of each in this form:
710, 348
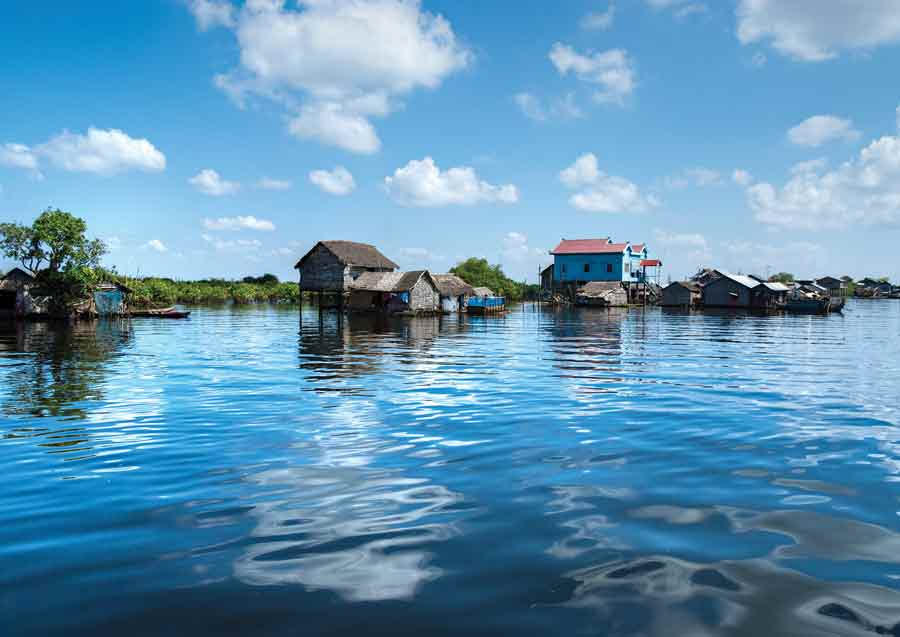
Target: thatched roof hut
452, 285
395, 291
602, 293
483, 291
331, 266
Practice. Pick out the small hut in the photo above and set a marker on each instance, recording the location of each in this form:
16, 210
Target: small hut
602, 294
729, 290
109, 299
394, 292
547, 278
770, 295
455, 292
482, 291
14, 292
331, 266
680, 294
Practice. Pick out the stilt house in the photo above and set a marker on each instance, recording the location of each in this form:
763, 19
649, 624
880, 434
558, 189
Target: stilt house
331, 266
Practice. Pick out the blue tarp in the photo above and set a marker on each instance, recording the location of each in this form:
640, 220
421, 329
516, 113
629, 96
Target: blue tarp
109, 302
486, 301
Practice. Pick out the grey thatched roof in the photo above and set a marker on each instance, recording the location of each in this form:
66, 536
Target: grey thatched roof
599, 288
389, 281
483, 291
18, 274
353, 253
452, 285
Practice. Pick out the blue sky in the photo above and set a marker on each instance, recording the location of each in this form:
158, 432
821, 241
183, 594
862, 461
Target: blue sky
202, 138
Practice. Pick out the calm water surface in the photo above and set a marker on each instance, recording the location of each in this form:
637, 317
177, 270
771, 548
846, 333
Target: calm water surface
592, 472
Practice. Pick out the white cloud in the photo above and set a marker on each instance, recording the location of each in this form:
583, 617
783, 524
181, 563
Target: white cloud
422, 183
820, 129
516, 248
239, 223
238, 245
863, 190
699, 176
103, 152
600, 21
898, 118
532, 107
156, 244
112, 243
681, 9
602, 192
758, 60
681, 240
344, 62
813, 30
759, 258
338, 181
333, 124
267, 183
212, 13
741, 177
612, 70
18, 156
209, 182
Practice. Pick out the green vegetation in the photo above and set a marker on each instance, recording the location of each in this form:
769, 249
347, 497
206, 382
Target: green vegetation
782, 277
59, 255
158, 292
479, 273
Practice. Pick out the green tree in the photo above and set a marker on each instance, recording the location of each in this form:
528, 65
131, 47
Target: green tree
479, 273
782, 277
55, 242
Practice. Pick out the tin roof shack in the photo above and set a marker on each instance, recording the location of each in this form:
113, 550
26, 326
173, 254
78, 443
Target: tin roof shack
872, 288
770, 295
835, 286
602, 294
547, 278
14, 286
331, 266
483, 291
680, 294
729, 290
455, 292
395, 292
110, 299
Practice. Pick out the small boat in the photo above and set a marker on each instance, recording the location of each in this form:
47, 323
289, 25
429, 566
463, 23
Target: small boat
166, 312
824, 305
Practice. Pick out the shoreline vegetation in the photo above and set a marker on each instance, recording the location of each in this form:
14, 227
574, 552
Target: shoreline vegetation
65, 264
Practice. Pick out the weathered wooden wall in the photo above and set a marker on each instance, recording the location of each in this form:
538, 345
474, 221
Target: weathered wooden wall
718, 294
676, 296
424, 296
323, 272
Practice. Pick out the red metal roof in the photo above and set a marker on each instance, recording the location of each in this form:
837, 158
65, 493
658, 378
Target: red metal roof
637, 248
588, 246
650, 263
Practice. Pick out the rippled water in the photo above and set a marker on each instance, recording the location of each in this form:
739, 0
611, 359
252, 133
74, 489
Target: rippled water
614, 473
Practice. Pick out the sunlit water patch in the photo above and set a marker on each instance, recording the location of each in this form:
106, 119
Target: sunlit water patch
601, 472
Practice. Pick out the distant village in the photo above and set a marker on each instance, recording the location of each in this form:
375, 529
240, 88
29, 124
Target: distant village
356, 276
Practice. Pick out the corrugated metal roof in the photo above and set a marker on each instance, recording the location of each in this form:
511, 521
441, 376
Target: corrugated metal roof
483, 291
775, 286
650, 263
589, 246
746, 281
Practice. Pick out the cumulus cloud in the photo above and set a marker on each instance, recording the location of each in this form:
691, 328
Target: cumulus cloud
103, 152
239, 223
240, 245
820, 129
209, 182
267, 183
812, 30
422, 183
699, 176
691, 246
741, 177
612, 70
338, 181
212, 13
18, 156
533, 108
862, 190
601, 192
338, 64
599, 20
517, 249
157, 245
752, 256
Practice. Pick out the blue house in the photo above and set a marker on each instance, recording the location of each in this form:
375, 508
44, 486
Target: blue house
584, 260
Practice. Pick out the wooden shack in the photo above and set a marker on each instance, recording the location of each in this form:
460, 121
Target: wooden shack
729, 290
331, 266
602, 294
455, 293
14, 286
680, 294
395, 292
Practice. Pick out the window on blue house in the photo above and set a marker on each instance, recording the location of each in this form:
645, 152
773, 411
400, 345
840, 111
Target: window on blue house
628, 267
587, 267
609, 267
564, 268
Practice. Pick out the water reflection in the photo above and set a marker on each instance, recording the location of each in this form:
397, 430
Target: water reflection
59, 366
